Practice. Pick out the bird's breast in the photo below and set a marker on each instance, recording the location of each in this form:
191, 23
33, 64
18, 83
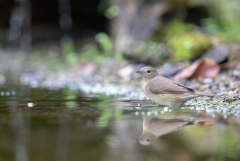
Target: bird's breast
164, 99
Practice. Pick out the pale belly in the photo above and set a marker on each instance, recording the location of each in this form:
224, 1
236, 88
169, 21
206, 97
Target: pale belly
172, 100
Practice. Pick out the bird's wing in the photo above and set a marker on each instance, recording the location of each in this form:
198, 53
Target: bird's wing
161, 85
163, 126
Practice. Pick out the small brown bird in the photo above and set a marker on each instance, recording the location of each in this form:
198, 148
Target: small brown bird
164, 91
156, 126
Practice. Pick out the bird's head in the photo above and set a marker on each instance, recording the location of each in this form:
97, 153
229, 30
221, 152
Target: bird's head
148, 73
147, 138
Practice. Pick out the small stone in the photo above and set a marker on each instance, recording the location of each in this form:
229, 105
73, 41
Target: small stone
207, 80
238, 106
30, 104
205, 87
234, 85
236, 73
222, 88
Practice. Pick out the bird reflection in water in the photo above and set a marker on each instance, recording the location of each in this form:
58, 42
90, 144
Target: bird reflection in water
156, 126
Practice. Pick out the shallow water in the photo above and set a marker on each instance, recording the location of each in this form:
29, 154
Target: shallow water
66, 125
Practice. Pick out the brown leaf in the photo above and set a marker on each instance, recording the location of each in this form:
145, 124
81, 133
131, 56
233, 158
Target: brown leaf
199, 69
206, 122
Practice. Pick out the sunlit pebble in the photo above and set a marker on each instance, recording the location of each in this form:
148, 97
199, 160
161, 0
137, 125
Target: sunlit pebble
30, 104
7, 93
162, 112
148, 113
208, 110
2, 93
199, 108
207, 80
142, 113
137, 108
237, 114
165, 109
34, 84
13, 92
238, 106
136, 113
155, 113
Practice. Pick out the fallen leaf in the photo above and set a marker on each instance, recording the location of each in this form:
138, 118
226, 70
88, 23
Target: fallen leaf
206, 122
199, 69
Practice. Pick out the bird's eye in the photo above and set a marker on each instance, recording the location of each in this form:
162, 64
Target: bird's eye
148, 71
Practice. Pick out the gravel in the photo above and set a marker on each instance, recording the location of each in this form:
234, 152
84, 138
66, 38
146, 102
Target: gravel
119, 79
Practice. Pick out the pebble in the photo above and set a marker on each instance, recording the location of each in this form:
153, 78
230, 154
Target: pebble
119, 79
30, 104
234, 85
207, 80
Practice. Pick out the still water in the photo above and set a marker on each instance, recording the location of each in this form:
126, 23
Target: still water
66, 125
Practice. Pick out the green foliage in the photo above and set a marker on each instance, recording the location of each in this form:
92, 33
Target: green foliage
50, 58
172, 28
224, 19
119, 57
91, 53
154, 158
97, 53
102, 6
189, 45
178, 27
70, 97
108, 12
105, 42
184, 40
68, 51
111, 140
112, 12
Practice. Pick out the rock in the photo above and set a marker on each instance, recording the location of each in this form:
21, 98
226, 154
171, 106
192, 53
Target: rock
234, 85
219, 53
207, 80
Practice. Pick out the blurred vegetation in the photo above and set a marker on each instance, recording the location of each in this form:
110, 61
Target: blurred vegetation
108, 113
224, 19
96, 52
106, 10
229, 138
183, 39
187, 41
70, 97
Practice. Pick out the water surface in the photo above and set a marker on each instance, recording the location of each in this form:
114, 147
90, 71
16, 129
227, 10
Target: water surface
66, 125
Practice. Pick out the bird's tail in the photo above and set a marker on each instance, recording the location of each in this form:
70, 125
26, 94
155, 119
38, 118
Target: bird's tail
205, 94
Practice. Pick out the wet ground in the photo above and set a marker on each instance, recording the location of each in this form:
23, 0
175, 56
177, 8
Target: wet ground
95, 112
67, 125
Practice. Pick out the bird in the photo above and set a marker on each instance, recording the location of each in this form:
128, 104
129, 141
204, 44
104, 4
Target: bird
164, 91
163, 124
156, 126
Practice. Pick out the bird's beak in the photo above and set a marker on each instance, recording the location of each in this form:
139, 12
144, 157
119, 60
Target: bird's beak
139, 72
